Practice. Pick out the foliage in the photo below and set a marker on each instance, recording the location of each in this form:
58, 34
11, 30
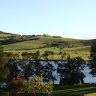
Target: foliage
36, 55
25, 44
92, 65
14, 69
3, 61
39, 68
36, 85
70, 71
48, 72
29, 68
48, 55
17, 83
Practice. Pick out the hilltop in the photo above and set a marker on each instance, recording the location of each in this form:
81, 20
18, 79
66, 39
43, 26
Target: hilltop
33, 43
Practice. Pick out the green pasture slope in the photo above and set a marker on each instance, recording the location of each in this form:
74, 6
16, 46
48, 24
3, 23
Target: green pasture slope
75, 47
4, 35
78, 51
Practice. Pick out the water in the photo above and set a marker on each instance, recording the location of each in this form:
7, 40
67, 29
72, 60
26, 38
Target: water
88, 77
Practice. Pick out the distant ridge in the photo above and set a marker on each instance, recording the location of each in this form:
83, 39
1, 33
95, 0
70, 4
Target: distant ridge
32, 43
7, 33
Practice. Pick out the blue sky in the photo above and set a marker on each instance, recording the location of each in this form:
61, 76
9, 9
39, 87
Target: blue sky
66, 18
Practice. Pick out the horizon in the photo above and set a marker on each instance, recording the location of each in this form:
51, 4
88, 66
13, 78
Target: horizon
68, 19
48, 35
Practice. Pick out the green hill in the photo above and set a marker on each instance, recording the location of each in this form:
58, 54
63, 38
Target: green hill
32, 43
5, 35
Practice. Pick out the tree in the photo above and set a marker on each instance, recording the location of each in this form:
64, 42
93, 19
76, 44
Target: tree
3, 61
36, 55
70, 71
17, 84
1, 55
48, 69
32, 68
45, 55
26, 55
51, 55
14, 68
92, 65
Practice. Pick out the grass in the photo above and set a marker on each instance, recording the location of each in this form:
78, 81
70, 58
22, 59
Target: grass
74, 47
75, 90
4, 36
78, 91
74, 52
45, 42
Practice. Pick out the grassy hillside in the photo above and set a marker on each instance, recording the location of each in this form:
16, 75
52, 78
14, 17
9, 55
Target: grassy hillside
5, 35
46, 42
32, 43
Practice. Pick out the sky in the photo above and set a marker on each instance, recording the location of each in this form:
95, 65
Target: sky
66, 18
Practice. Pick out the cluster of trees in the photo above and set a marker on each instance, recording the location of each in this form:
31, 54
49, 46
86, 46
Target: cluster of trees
47, 55
92, 64
31, 68
3, 61
70, 71
18, 38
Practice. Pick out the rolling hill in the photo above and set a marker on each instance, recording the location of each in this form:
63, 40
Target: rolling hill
33, 43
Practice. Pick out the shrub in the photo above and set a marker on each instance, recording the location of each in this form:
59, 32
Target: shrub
36, 85
17, 84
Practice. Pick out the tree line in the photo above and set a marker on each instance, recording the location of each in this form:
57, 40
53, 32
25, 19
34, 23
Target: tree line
70, 71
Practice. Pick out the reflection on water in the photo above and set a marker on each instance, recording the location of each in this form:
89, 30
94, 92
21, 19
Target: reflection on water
88, 77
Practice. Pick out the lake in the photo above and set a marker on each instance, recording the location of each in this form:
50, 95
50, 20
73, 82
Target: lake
88, 77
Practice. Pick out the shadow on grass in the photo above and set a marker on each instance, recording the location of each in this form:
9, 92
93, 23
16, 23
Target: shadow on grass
75, 91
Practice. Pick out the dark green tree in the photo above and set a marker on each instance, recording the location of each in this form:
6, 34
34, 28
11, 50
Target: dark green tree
48, 55
70, 71
3, 61
14, 70
36, 55
1, 54
92, 64
45, 55
48, 69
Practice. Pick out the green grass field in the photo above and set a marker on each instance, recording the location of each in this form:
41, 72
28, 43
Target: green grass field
74, 52
74, 47
72, 90
77, 90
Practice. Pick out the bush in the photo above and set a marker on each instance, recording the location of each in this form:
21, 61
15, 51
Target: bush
37, 86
